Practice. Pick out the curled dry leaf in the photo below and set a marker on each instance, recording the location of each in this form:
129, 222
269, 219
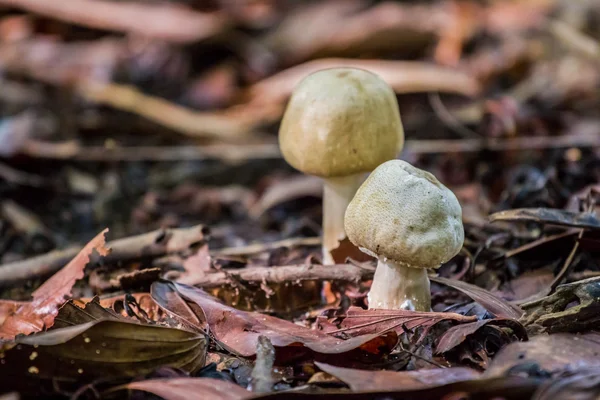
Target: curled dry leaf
239, 331
189, 388
495, 305
362, 380
544, 355
549, 216
39, 313
457, 334
100, 349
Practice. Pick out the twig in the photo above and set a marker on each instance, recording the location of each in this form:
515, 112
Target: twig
231, 123
169, 23
232, 153
288, 273
148, 245
262, 373
15, 176
402, 76
260, 247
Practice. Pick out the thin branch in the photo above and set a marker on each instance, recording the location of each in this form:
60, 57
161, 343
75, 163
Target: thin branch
288, 273
148, 245
175, 24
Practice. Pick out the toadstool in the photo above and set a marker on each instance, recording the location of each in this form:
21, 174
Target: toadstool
411, 222
339, 124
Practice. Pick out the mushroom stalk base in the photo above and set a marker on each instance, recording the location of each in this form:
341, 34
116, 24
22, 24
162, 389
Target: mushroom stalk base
398, 287
337, 194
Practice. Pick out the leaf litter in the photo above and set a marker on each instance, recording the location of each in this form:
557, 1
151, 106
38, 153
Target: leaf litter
170, 130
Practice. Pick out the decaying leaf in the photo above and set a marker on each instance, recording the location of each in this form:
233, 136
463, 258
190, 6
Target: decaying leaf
362, 380
188, 388
357, 321
495, 305
40, 312
100, 349
554, 314
457, 334
238, 330
545, 355
549, 216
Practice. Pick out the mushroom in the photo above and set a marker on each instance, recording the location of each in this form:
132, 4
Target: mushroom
410, 222
339, 124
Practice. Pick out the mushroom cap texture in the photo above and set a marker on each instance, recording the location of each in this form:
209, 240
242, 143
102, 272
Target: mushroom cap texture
339, 122
406, 215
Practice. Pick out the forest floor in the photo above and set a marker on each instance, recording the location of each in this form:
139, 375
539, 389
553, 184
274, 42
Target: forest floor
153, 241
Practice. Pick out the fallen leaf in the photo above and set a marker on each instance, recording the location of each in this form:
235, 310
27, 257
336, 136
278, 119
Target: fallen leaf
549, 216
196, 266
189, 388
547, 355
362, 380
100, 349
457, 334
238, 330
40, 312
495, 305
346, 249
580, 385
363, 322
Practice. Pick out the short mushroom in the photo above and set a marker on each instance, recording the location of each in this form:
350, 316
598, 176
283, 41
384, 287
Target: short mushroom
411, 222
339, 124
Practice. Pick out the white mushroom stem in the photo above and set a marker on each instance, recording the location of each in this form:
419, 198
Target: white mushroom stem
337, 194
398, 287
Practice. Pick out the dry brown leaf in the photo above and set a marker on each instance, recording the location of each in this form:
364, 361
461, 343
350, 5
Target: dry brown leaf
196, 266
365, 322
238, 330
40, 312
551, 354
494, 304
457, 334
189, 388
363, 380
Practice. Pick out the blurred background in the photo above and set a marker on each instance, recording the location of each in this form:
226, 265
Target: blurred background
136, 115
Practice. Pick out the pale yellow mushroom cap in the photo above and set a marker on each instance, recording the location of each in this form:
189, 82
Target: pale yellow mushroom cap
406, 215
339, 122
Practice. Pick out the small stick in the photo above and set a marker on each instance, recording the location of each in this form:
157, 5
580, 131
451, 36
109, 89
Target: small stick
148, 245
288, 273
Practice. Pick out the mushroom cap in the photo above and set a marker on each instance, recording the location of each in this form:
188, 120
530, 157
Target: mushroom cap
339, 122
406, 215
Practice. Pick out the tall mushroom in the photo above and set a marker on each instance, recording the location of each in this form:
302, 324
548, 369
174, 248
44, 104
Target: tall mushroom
339, 124
411, 222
